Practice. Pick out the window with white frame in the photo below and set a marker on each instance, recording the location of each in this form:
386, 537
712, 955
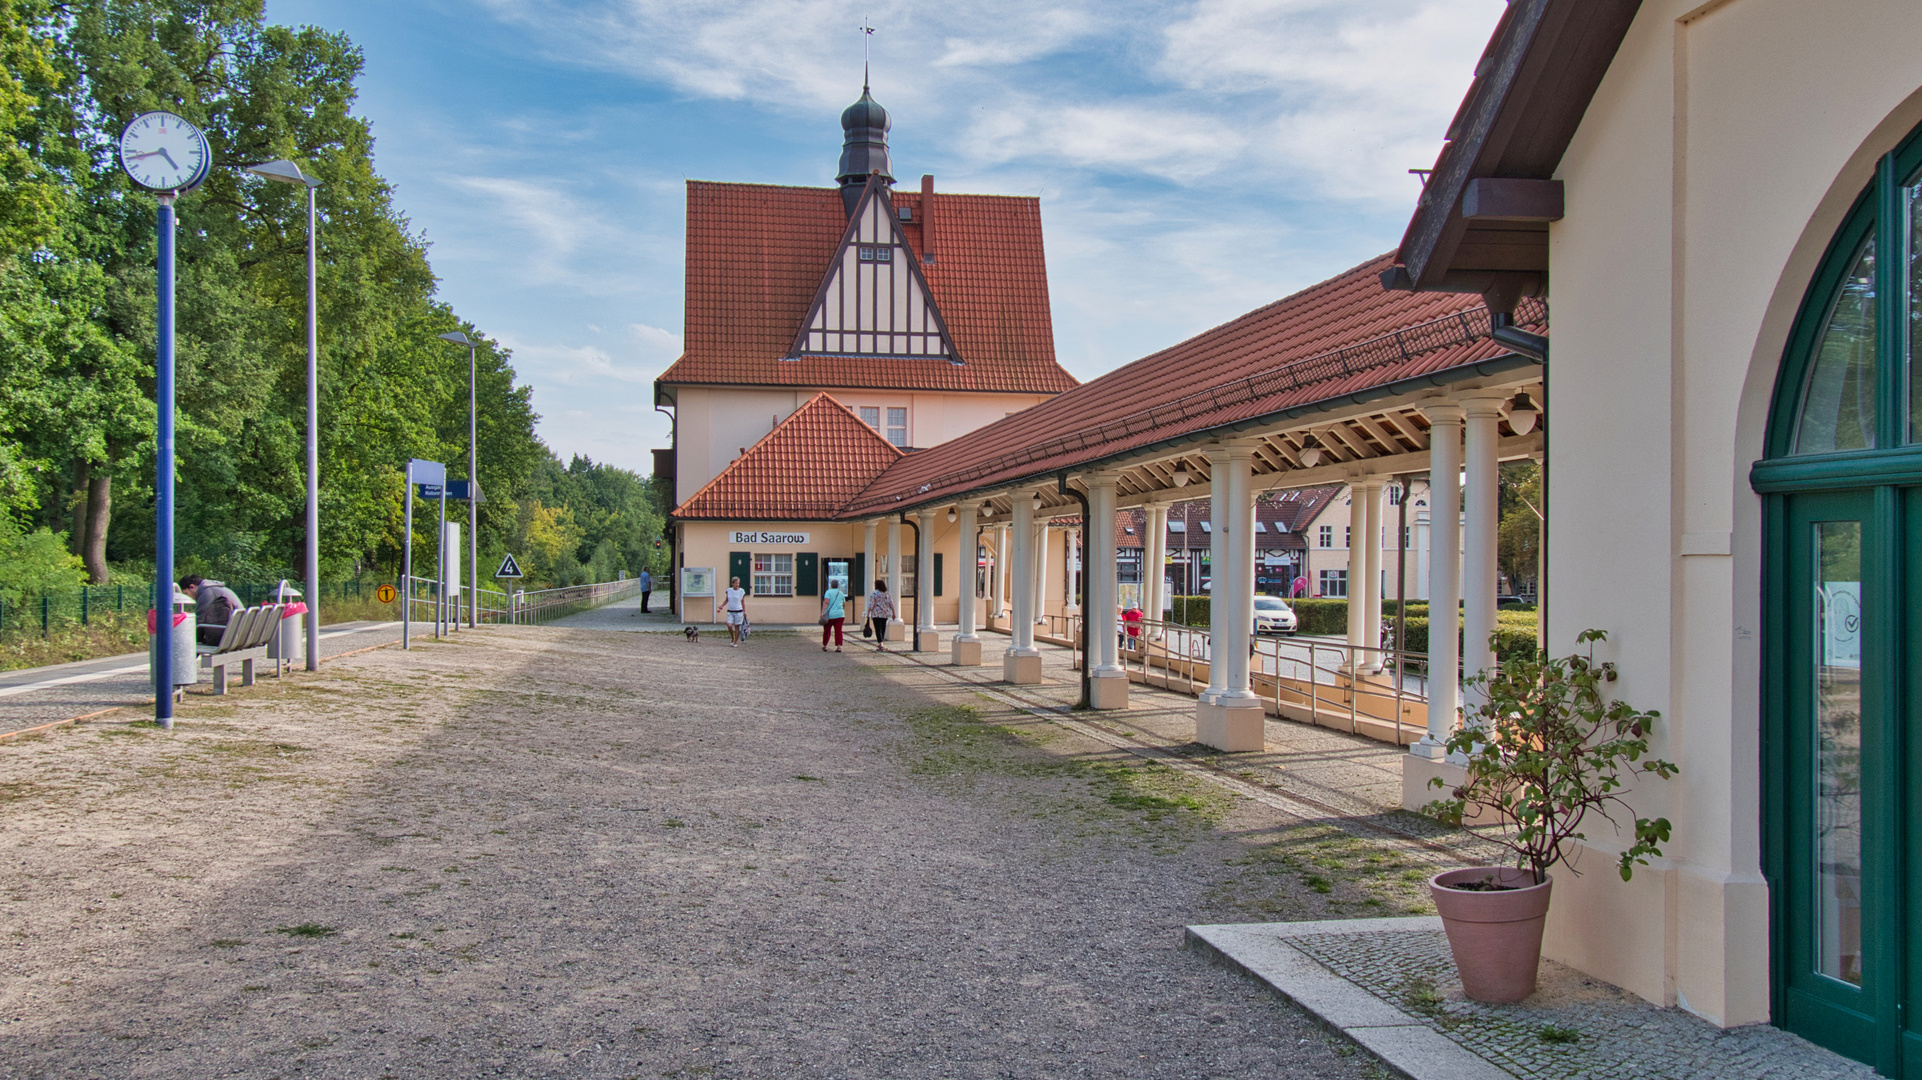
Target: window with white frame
1334, 583
773, 575
871, 416
1394, 494
898, 426
1326, 537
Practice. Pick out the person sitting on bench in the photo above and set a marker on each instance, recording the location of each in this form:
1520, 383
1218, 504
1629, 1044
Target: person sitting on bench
214, 607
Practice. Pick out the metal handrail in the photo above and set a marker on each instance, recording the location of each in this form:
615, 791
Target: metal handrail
1330, 671
521, 607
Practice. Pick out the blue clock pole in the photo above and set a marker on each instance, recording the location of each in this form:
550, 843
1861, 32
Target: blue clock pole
164, 476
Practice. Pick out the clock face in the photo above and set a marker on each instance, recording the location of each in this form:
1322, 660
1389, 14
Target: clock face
163, 152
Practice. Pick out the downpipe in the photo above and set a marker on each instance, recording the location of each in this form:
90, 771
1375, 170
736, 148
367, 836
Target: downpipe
1087, 670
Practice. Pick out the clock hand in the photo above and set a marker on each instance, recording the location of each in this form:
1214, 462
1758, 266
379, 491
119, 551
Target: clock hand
146, 154
170, 158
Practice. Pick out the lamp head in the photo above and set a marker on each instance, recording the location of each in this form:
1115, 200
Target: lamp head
1181, 477
950, 515
284, 171
1310, 451
1036, 504
1523, 413
458, 338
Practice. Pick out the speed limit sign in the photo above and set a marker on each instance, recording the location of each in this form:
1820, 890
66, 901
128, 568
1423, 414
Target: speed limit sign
385, 594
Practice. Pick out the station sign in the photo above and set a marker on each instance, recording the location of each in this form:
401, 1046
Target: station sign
766, 536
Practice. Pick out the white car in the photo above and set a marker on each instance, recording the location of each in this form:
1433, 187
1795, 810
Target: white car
1273, 616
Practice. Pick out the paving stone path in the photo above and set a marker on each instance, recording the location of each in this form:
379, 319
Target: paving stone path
553, 851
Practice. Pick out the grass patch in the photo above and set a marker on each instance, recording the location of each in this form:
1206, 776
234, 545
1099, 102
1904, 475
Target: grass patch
227, 943
307, 930
1561, 1036
811, 779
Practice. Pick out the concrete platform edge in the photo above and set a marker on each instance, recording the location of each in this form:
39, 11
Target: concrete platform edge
1402, 1043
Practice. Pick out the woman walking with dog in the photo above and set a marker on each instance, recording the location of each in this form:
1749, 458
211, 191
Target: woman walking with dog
735, 600
880, 610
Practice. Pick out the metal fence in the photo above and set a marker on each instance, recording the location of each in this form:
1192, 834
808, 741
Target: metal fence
43, 613
492, 607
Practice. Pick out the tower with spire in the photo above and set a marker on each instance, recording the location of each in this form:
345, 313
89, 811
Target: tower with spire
864, 147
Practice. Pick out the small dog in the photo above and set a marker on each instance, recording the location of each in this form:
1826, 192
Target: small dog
693, 632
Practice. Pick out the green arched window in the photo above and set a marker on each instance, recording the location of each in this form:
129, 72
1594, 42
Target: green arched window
1842, 638
1848, 383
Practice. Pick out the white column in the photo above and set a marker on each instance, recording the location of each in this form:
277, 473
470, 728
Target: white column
1154, 560
1239, 598
1233, 719
926, 639
997, 592
966, 563
1481, 513
1044, 535
870, 569
1109, 686
1371, 572
1022, 662
1444, 586
1072, 562
966, 646
894, 578
1357, 568
1218, 516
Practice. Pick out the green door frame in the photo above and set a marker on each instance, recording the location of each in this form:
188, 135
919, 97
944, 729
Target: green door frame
1882, 488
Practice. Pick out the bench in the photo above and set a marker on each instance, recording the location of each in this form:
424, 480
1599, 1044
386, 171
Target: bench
244, 642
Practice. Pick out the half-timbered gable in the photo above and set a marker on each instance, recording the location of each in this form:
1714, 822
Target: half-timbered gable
874, 300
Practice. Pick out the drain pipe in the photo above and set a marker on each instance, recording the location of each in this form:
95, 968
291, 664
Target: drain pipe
913, 628
1502, 329
1087, 671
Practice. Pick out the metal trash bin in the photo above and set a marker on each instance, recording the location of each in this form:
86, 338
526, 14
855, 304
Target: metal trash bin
186, 663
289, 643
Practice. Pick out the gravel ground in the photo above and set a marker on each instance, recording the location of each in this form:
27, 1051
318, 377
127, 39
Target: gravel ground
552, 851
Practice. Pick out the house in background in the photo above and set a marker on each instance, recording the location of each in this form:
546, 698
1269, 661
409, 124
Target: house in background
1329, 541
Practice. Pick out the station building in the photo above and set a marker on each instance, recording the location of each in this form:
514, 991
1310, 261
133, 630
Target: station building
1721, 202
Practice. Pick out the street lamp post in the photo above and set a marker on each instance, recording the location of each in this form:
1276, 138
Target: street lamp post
473, 479
286, 172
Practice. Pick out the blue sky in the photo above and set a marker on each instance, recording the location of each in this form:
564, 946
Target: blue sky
1194, 160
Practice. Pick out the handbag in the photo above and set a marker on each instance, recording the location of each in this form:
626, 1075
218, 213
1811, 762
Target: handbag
824, 620
867, 628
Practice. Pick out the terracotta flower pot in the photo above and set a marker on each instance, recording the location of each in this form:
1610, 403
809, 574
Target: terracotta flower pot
1496, 936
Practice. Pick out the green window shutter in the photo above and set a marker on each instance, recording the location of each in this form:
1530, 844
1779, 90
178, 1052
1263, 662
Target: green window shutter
740, 564
807, 574
937, 573
858, 579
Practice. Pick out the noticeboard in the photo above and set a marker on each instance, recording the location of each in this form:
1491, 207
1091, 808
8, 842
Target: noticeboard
697, 581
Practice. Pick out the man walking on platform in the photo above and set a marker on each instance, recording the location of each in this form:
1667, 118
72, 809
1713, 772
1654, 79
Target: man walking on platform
647, 588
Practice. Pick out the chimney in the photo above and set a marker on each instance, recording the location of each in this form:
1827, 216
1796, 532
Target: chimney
927, 219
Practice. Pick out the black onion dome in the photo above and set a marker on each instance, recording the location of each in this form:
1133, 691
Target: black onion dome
865, 113
864, 148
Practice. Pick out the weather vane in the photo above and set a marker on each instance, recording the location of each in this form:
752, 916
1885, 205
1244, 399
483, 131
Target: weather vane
867, 51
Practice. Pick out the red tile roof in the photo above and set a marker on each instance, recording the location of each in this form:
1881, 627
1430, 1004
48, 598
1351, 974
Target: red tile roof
756, 253
1343, 336
806, 469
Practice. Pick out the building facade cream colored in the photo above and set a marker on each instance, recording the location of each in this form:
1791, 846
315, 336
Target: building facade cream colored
1723, 149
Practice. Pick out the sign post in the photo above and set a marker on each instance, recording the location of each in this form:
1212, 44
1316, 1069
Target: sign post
510, 569
430, 475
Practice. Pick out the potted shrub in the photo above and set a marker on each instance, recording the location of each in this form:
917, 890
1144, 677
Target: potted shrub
1545, 748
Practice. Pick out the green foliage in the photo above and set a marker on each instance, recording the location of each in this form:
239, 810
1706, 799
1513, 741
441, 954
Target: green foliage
1546, 747
34, 561
1519, 536
77, 282
1514, 635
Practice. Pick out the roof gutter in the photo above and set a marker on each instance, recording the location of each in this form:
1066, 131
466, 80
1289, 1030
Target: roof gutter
1493, 366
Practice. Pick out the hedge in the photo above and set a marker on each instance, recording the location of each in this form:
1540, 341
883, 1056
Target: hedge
1514, 629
